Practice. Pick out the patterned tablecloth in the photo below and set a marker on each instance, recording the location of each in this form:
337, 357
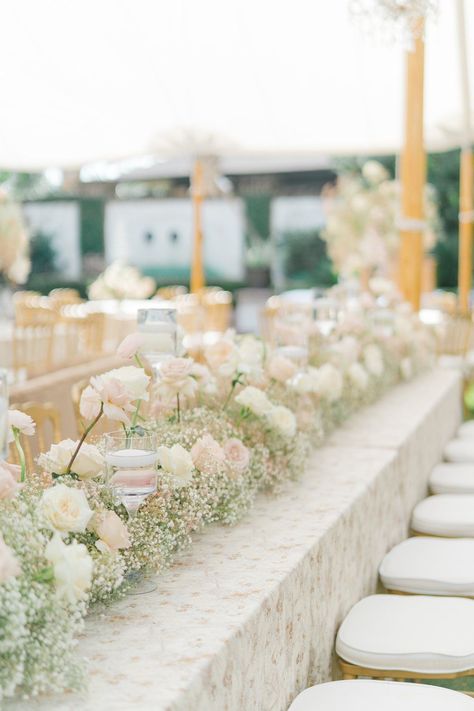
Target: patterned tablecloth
247, 618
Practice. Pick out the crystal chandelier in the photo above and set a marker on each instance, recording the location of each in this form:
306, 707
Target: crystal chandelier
393, 21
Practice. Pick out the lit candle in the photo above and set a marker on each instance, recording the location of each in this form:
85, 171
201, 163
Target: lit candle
131, 458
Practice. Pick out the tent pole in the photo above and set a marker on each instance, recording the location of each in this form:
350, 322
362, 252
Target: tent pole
466, 174
412, 171
197, 268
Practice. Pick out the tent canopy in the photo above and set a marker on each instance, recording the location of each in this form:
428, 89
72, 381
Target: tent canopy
92, 80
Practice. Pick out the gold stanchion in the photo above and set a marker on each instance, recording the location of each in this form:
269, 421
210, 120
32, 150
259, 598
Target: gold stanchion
466, 219
413, 170
197, 268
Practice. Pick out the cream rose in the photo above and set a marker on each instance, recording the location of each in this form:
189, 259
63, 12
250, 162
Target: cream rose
9, 565
358, 376
134, 380
178, 462
8, 484
112, 532
175, 378
222, 357
305, 383
255, 400
72, 566
280, 368
88, 464
280, 418
237, 455
208, 456
373, 360
66, 509
330, 382
20, 421
250, 355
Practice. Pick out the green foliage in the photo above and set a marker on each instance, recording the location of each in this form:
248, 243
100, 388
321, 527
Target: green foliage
443, 173
92, 225
258, 215
305, 260
42, 254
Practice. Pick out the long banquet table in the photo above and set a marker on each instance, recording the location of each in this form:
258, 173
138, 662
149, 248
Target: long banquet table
247, 617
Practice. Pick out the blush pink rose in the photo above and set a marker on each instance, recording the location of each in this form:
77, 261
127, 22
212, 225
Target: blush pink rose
130, 345
237, 455
8, 484
115, 397
175, 378
207, 455
112, 531
14, 469
89, 404
281, 368
9, 566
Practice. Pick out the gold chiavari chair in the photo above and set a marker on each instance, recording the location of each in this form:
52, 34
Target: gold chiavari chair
48, 430
169, 293
457, 336
33, 337
217, 307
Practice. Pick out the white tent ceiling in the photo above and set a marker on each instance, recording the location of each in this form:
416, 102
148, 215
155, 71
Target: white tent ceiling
90, 80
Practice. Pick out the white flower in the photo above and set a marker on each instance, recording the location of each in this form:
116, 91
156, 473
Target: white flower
306, 382
255, 400
280, 418
20, 421
176, 461
373, 360
175, 378
134, 380
358, 376
222, 357
66, 509
347, 350
330, 382
112, 532
374, 172
250, 355
72, 566
9, 565
280, 368
88, 463
207, 454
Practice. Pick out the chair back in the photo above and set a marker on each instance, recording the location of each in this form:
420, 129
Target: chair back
457, 337
48, 430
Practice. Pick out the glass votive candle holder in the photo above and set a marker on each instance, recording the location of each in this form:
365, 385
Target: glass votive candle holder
131, 461
162, 335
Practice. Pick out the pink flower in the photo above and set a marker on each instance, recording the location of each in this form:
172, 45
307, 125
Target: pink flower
112, 532
175, 377
237, 455
22, 422
130, 345
8, 484
9, 566
281, 368
207, 455
14, 469
114, 396
89, 405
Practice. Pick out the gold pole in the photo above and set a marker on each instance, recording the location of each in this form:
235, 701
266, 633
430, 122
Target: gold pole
466, 178
413, 170
197, 268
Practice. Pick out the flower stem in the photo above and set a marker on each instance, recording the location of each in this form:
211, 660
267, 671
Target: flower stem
139, 361
178, 408
84, 435
21, 453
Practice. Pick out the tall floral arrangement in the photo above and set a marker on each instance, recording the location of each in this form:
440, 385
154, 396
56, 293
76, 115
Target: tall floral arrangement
14, 261
362, 215
121, 281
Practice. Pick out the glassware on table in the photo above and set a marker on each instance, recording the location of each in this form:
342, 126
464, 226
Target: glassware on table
131, 461
163, 337
325, 314
132, 473
3, 414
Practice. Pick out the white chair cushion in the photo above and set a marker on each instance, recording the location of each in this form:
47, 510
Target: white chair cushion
459, 450
445, 515
452, 479
430, 566
466, 430
364, 695
431, 635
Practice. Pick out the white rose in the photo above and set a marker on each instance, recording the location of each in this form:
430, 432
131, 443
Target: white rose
374, 172
88, 464
250, 355
177, 461
66, 509
9, 565
373, 360
358, 376
330, 382
72, 566
134, 380
347, 350
255, 400
306, 382
280, 368
283, 420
